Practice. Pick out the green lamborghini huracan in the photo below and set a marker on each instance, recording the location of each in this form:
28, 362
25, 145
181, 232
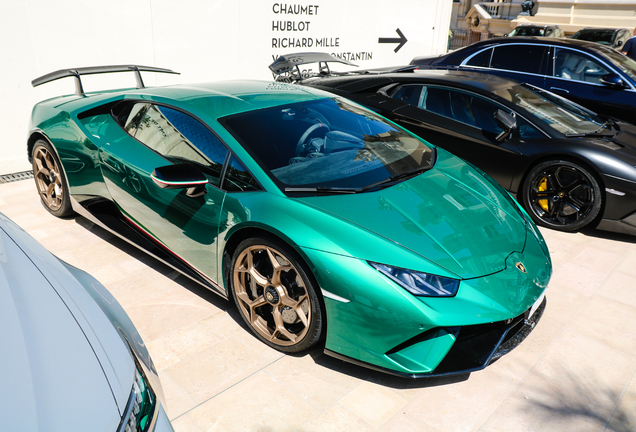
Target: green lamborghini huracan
317, 217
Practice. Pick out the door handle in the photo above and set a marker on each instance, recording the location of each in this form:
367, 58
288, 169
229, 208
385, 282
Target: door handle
559, 89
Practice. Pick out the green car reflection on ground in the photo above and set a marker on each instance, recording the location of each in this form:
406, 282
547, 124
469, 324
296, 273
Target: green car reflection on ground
319, 218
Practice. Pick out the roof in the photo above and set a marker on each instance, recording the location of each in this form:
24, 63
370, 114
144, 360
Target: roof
213, 100
535, 39
459, 78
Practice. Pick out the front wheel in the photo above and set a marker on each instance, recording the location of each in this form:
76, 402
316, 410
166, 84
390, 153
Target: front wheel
562, 195
275, 295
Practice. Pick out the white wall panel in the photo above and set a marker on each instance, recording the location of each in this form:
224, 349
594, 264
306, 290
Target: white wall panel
205, 40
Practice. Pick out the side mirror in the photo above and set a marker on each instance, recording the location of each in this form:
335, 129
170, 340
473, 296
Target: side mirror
507, 122
180, 176
612, 80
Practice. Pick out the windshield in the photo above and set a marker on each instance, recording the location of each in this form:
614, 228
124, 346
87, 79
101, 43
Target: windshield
624, 63
554, 111
529, 31
328, 143
604, 37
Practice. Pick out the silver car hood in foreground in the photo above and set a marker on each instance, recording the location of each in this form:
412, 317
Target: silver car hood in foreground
55, 373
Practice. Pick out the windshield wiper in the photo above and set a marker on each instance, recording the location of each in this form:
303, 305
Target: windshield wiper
609, 124
407, 174
324, 189
348, 190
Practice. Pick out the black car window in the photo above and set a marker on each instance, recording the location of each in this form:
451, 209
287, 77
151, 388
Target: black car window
481, 59
527, 131
179, 137
577, 66
462, 106
410, 93
520, 58
237, 178
604, 37
528, 31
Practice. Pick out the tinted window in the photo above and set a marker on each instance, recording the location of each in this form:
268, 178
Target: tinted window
605, 37
179, 137
520, 58
462, 106
577, 66
409, 93
327, 143
551, 110
481, 60
237, 178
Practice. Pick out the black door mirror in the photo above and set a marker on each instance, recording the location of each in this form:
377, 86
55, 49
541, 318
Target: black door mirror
613, 80
180, 176
507, 122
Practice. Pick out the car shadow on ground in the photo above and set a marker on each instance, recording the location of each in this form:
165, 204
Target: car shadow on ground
381, 378
160, 267
609, 235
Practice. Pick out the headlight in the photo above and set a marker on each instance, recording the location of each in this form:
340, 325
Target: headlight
140, 408
419, 284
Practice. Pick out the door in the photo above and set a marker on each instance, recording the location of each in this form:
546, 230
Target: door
154, 136
576, 76
462, 123
522, 62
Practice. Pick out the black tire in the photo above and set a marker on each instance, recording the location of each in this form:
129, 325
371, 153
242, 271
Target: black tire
50, 180
562, 195
275, 295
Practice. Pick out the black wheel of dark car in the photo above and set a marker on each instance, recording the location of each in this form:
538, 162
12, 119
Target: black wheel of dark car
50, 181
275, 294
562, 195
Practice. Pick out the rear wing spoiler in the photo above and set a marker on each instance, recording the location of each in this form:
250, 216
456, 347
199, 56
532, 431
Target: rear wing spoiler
77, 72
287, 68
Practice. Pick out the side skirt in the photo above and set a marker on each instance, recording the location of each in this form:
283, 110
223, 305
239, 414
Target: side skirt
105, 213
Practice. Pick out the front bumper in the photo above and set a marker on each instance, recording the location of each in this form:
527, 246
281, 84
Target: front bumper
474, 348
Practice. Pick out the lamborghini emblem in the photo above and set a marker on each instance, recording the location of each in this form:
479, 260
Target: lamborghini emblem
521, 267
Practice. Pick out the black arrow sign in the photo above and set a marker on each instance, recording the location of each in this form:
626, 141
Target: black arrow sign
401, 40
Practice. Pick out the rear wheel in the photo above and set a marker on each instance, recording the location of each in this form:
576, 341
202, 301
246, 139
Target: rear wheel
562, 195
50, 181
275, 294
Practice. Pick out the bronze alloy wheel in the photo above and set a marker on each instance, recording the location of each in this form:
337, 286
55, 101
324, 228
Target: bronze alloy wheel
274, 295
49, 180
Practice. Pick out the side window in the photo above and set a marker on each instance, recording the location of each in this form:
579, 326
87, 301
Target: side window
520, 58
409, 93
179, 137
527, 131
128, 115
480, 60
238, 179
577, 66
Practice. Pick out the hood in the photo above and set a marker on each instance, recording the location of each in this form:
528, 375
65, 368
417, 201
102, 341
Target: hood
451, 215
52, 379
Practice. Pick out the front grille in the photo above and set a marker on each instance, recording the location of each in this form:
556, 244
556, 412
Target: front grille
479, 345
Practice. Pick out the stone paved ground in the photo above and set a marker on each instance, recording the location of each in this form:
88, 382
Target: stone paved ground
574, 373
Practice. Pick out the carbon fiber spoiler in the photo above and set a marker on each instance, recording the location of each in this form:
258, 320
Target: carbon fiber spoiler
77, 72
287, 68
290, 64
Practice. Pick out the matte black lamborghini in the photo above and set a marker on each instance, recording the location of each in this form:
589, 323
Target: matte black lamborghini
568, 166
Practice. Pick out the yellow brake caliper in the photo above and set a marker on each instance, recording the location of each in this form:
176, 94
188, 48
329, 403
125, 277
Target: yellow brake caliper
542, 187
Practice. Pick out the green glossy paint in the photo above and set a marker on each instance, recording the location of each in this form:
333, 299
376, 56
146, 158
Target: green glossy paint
449, 221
